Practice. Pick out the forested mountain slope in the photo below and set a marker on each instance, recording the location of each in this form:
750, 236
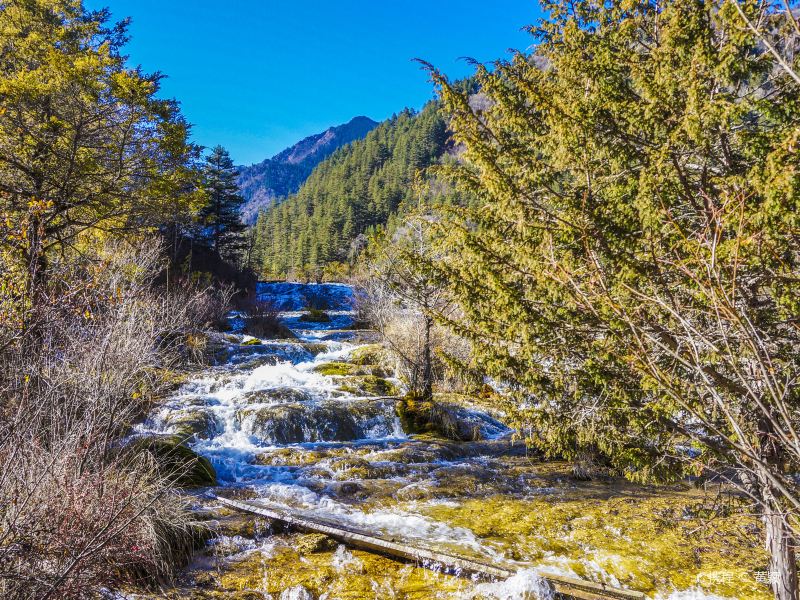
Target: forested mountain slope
284, 173
359, 187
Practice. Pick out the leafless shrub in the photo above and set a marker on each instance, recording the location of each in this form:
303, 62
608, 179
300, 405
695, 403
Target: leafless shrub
412, 336
262, 320
76, 513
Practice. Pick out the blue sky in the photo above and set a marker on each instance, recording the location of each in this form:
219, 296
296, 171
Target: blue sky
258, 75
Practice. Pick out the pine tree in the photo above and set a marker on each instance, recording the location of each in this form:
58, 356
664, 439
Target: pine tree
221, 218
631, 270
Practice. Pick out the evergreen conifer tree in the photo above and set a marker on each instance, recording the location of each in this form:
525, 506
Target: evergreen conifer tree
221, 218
631, 272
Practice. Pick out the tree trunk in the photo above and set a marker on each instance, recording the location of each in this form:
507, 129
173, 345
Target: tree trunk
36, 260
780, 545
427, 367
779, 535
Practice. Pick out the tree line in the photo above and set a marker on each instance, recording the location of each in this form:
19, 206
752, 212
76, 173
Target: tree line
358, 188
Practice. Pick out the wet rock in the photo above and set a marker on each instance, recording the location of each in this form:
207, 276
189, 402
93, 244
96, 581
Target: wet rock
330, 421
297, 592
193, 423
415, 452
373, 354
354, 337
347, 488
314, 349
337, 368
291, 457
225, 546
313, 543
315, 315
237, 525
369, 385
347, 463
246, 363
350, 369
204, 579
176, 461
348, 468
280, 395
448, 420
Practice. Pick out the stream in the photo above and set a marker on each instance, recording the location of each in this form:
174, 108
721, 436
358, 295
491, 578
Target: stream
305, 424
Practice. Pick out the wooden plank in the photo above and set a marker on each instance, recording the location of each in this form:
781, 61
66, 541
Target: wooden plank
564, 587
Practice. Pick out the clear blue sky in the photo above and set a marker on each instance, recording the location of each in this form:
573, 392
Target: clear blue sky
258, 75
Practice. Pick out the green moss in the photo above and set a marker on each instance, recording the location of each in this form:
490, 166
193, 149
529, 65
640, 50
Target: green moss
624, 536
172, 379
291, 457
370, 385
446, 420
252, 342
364, 575
341, 369
336, 368
315, 315
192, 423
372, 354
182, 464
314, 542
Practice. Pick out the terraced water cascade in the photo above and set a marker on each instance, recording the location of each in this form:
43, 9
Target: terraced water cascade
310, 424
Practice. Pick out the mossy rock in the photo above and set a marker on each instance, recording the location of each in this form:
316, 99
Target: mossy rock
620, 534
251, 364
346, 463
193, 423
372, 354
313, 543
172, 379
268, 329
291, 457
447, 420
237, 525
279, 395
252, 342
329, 421
345, 369
369, 385
315, 316
413, 453
314, 348
337, 368
176, 461
353, 578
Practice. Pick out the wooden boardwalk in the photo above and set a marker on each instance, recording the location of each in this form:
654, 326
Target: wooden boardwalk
564, 587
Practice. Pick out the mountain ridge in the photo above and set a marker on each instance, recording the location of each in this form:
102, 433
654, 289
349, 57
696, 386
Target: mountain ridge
262, 184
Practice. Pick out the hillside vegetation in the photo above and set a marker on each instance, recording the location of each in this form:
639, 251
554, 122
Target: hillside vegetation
358, 188
275, 178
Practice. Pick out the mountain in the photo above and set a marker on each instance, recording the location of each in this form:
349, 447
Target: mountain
361, 186
284, 173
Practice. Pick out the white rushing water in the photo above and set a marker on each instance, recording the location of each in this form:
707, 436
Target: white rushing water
268, 397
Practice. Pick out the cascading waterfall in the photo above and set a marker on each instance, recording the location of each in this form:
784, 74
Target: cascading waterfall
270, 421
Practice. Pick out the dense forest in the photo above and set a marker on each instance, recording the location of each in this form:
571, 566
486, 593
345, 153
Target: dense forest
356, 189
